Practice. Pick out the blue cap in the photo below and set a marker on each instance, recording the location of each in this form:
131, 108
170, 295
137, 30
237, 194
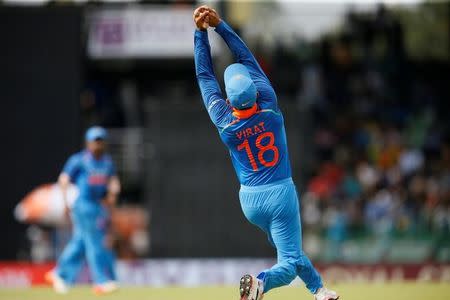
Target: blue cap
240, 88
95, 133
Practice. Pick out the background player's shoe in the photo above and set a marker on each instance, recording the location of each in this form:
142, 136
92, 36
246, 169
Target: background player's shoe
250, 288
105, 288
325, 294
59, 285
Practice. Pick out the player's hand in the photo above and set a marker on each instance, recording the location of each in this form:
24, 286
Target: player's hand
214, 18
201, 17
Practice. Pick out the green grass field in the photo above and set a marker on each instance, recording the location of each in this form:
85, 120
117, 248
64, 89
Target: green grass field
394, 291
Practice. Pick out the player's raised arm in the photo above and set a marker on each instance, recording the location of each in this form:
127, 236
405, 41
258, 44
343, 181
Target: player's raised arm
209, 87
243, 55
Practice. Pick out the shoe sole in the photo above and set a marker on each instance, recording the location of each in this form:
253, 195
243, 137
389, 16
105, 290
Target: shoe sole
245, 287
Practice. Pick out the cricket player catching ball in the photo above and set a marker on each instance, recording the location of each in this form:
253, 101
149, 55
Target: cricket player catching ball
252, 127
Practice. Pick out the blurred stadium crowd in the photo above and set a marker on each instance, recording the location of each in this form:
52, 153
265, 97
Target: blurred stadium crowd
381, 139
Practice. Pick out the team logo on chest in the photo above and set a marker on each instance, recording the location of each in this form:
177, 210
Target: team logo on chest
97, 175
97, 179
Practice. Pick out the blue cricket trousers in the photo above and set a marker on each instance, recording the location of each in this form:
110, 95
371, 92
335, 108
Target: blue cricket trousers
274, 208
88, 240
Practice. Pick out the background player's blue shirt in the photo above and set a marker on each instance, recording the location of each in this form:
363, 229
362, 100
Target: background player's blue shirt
258, 145
91, 176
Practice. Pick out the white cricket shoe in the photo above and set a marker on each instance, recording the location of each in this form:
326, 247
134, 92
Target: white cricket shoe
59, 285
105, 288
325, 294
251, 288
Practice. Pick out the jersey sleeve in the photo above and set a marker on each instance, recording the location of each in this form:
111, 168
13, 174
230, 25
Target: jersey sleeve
267, 97
72, 166
215, 104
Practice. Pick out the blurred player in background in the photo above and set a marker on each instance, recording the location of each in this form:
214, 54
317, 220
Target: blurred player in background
93, 171
251, 125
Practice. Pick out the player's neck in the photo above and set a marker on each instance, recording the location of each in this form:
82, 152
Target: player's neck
95, 155
245, 113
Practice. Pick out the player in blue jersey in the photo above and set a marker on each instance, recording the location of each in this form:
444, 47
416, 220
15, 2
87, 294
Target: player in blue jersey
251, 125
93, 171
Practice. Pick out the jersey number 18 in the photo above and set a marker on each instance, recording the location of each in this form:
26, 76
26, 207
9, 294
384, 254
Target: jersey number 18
262, 149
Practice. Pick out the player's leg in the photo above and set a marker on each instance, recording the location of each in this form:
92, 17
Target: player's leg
69, 263
96, 252
285, 232
93, 240
250, 287
71, 260
306, 270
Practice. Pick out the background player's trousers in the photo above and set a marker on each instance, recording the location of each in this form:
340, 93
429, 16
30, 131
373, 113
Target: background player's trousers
90, 226
275, 209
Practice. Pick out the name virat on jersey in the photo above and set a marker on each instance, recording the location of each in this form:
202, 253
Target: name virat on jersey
250, 131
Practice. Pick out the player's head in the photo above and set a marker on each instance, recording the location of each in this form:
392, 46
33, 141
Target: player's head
239, 86
95, 140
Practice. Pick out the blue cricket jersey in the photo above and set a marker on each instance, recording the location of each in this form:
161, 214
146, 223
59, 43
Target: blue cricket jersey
91, 176
257, 143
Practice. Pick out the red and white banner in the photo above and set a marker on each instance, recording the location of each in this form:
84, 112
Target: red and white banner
204, 272
21, 274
